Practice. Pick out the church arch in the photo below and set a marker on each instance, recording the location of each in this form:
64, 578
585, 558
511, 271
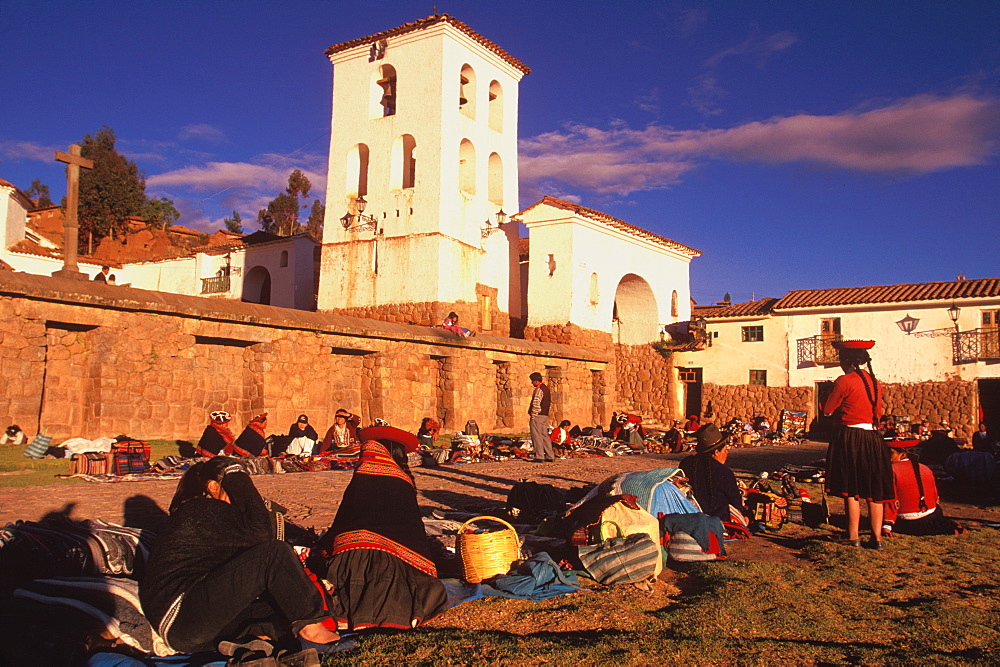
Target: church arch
357, 171
467, 91
403, 170
635, 311
495, 179
257, 286
467, 167
383, 92
496, 106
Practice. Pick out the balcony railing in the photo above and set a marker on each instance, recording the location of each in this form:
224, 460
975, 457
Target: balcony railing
975, 345
818, 350
215, 285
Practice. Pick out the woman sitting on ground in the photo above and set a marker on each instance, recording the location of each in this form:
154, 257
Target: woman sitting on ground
712, 482
379, 560
915, 510
560, 439
217, 438
252, 441
429, 430
216, 572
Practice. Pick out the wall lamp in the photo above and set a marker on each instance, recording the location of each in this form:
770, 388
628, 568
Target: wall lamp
356, 222
953, 314
488, 228
907, 324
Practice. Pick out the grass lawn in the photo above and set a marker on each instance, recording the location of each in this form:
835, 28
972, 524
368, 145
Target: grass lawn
18, 470
928, 601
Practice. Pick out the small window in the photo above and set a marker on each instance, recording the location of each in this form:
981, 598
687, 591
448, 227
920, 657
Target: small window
753, 334
467, 167
829, 325
487, 314
494, 179
403, 170
467, 91
384, 92
674, 309
991, 319
758, 378
595, 295
283, 261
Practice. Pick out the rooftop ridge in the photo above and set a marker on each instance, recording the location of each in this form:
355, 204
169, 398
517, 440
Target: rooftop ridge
421, 24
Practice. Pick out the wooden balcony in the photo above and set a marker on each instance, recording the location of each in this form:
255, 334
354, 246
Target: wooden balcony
818, 350
975, 345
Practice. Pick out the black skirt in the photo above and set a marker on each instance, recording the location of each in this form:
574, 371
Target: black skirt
374, 589
858, 466
935, 523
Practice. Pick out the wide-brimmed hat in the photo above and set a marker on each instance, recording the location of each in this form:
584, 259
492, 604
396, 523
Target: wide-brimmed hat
903, 443
710, 439
303, 419
409, 441
853, 344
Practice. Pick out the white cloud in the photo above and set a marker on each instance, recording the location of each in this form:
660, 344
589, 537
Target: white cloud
202, 132
911, 136
15, 150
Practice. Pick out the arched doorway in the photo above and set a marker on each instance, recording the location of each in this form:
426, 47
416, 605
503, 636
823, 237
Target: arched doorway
636, 315
257, 286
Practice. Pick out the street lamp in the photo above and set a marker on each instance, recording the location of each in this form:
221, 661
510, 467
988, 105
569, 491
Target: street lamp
953, 314
907, 324
366, 221
488, 228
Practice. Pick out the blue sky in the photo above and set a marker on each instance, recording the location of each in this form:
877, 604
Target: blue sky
797, 144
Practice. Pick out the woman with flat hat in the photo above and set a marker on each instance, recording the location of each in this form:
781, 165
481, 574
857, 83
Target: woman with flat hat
857, 460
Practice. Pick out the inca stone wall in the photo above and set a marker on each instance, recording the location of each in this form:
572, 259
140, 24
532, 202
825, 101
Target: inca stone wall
86, 359
643, 379
954, 401
432, 313
743, 401
569, 334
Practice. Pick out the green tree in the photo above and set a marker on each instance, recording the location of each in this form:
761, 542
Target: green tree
234, 224
281, 216
160, 213
314, 225
110, 193
39, 193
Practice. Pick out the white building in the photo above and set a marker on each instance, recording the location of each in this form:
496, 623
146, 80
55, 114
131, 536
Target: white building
941, 338
423, 156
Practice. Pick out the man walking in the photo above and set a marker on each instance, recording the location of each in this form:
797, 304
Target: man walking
538, 413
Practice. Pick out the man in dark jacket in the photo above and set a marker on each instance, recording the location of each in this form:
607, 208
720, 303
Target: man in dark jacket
538, 414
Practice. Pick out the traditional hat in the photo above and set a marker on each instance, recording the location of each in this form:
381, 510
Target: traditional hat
709, 438
853, 344
303, 419
406, 439
220, 416
903, 443
261, 418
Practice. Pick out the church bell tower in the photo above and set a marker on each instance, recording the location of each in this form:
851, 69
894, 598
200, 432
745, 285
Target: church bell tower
422, 170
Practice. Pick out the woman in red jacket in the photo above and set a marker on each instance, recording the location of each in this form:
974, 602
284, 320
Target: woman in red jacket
858, 460
915, 510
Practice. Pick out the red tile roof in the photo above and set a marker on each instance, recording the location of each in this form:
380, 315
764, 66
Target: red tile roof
843, 296
421, 24
745, 309
615, 223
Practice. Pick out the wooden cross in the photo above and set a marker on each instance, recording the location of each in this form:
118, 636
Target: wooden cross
70, 226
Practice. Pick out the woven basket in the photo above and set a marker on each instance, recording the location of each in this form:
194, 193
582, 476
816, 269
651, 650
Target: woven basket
485, 555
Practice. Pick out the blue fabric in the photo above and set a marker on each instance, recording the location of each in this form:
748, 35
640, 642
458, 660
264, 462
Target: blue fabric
459, 592
538, 578
655, 493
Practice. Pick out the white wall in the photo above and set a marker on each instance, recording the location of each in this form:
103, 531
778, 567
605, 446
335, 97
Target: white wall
729, 360
13, 215
579, 248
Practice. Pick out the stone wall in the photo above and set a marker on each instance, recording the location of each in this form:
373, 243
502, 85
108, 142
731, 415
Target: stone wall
432, 313
86, 359
569, 334
741, 401
955, 401
644, 381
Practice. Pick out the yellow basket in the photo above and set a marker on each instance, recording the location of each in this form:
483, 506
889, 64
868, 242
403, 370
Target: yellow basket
485, 555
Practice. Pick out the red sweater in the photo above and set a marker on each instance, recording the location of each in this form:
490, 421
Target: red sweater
850, 396
907, 493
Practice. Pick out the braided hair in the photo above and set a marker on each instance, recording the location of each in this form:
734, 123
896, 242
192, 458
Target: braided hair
855, 358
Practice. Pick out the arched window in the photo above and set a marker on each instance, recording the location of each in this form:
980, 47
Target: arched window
674, 312
495, 180
496, 106
467, 91
403, 170
467, 167
595, 295
383, 92
283, 259
357, 171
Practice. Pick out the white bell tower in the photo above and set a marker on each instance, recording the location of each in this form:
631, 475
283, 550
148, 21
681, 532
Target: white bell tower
423, 159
